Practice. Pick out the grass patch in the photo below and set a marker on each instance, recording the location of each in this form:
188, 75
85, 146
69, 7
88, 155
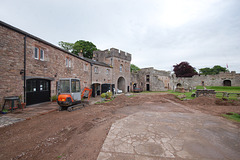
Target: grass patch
187, 94
232, 116
224, 89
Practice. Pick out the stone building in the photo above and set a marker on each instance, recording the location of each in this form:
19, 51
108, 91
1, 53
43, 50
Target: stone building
120, 63
150, 79
31, 67
221, 79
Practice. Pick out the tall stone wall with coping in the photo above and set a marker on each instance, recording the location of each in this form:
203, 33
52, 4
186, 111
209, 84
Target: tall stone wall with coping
208, 80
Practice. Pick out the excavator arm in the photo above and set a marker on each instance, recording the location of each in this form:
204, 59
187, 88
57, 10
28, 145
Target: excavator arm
89, 92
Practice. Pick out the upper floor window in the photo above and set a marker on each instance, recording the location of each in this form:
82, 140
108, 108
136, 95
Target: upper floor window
96, 69
85, 66
147, 78
68, 62
121, 67
108, 70
39, 53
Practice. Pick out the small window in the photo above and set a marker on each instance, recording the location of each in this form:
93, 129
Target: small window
147, 78
107, 71
36, 53
85, 66
96, 69
121, 67
69, 63
66, 62
42, 54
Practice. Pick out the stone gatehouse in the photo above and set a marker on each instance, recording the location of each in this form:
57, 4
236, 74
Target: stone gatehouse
31, 67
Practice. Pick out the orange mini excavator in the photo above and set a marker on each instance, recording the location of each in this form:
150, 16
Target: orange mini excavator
69, 93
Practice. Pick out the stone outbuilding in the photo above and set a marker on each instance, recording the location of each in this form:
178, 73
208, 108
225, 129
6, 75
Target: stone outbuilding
150, 79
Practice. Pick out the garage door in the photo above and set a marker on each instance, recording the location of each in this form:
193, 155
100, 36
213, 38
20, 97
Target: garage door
38, 91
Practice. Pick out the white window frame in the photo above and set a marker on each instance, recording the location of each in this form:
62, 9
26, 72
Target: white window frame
37, 53
69, 63
66, 62
41, 54
108, 70
85, 66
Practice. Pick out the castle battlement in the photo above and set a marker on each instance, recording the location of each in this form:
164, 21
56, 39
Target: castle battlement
112, 52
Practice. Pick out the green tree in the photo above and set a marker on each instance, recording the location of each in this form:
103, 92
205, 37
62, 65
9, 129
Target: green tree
212, 71
184, 69
84, 47
134, 68
66, 45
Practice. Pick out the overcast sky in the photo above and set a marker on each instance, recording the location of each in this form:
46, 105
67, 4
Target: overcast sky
158, 33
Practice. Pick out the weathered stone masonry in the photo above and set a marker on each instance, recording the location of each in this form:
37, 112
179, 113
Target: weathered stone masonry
53, 66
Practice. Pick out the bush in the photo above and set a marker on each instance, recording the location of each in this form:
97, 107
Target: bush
103, 95
109, 94
54, 98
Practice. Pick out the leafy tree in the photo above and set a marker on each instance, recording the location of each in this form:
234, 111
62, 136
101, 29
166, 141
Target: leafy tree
66, 45
184, 69
85, 47
82, 46
212, 71
134, 68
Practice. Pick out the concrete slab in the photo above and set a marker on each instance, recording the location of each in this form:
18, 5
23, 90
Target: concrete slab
171, 135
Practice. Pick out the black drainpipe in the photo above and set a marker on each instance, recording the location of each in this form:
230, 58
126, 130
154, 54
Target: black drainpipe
91, 73
24, 76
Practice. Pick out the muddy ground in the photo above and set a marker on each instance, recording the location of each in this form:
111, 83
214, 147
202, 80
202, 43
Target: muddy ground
80, 134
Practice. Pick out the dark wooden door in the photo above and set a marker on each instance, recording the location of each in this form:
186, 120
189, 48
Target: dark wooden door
38, 91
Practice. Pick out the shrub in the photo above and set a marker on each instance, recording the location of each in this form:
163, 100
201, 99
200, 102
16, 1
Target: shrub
109, 94
103, 95
54, 98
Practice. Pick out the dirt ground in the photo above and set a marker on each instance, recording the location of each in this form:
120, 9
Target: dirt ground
80, 134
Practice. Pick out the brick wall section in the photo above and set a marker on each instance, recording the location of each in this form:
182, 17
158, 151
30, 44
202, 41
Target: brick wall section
53, 67
101, 75
11, 62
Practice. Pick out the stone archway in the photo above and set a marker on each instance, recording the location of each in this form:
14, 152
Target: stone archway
121, 84
227, 83
179, 85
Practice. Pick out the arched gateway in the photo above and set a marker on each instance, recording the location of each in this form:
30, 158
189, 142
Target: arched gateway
121, 84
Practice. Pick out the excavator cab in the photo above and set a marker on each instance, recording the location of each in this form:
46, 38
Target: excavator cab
69, 92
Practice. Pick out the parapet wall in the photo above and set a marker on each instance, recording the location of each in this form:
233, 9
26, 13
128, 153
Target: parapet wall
112, 52
208, 80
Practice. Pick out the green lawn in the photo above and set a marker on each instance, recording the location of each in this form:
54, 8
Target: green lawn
232, 116
224, 89
216, 88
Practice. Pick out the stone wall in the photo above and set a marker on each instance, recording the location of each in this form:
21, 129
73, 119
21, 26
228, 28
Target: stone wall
101, 74
158, 80
52, 67
11, 62
208, 80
